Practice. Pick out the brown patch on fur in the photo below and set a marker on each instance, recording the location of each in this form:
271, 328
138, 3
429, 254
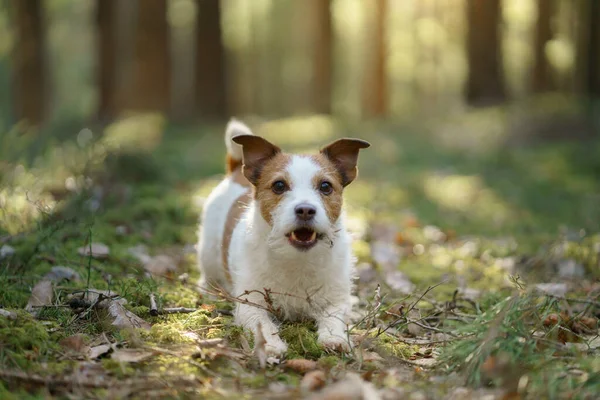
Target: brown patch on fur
273, 170
333, 201
233, 217
231, 164
238, 177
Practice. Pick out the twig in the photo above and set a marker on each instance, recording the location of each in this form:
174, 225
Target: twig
175, 310
153, 307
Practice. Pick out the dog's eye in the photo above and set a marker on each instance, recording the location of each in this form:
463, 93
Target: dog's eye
325, 187
279, 187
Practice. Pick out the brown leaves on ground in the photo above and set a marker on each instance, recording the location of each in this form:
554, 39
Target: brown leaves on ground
124, 318
568, 328
41, 295
300, 365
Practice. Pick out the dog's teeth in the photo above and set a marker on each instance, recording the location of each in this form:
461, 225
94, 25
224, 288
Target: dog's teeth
294, 236
313, 236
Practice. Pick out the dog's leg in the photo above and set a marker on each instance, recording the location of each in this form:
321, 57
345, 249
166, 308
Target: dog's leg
332, 329
251, 316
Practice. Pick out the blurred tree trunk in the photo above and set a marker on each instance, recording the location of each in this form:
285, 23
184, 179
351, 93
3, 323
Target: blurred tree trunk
107, 47
542, 80
151, 62
322, 82
29, 77
484, 53
210, 61
374, 93
593, 69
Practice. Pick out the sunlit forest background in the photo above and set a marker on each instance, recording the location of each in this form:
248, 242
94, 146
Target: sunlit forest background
193, 60
476, 213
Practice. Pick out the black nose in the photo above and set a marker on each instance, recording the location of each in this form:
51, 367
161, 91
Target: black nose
305, 212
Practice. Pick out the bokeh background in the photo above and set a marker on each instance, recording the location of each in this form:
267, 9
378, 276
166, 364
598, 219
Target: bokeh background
194, 60
483, 115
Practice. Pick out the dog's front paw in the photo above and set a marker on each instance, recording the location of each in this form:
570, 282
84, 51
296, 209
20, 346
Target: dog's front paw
275, 347
335, 342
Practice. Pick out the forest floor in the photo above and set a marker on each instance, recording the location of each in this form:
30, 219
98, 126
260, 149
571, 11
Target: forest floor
478, 273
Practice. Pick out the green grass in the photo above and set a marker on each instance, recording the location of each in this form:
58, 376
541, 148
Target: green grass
140, 183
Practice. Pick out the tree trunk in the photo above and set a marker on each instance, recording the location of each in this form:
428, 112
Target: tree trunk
374, 93
107, 47
150, 90
29, 78
211, 96
542, 71
322, 72
593, 69
484, 52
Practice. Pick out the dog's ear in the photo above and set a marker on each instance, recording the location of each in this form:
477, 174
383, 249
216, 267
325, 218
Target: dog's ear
256, 151
343, 153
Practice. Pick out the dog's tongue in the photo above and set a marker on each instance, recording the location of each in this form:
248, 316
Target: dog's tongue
303, 234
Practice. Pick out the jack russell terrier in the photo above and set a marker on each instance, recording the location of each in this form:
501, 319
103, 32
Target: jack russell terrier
273, 234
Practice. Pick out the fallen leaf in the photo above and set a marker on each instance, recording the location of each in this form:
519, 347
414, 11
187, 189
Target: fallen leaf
313, 380
124, 318
98, 250
98, 351
74, 344
8, 314
131, 355
350, 388
41, 295
300, 365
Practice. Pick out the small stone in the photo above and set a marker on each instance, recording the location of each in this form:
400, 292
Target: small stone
6, 251
554, 289
98, 250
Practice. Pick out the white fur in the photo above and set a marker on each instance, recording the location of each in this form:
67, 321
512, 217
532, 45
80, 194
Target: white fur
235, 128
313, 284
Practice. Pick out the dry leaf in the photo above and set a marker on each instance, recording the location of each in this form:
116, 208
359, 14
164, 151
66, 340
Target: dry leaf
41, 295
75, 344
313, 380
98, 351
131, 355
125, 318
8, 314
301, 365
98, 250
349, 388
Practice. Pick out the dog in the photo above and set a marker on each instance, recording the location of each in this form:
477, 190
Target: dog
273, 236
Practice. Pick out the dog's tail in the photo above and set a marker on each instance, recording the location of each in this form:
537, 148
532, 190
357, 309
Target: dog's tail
234, 150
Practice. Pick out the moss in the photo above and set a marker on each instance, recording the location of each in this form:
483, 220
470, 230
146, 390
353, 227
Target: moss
328, 362
233, 334
180, 296
118, 369
176, 328
302, 340
390, 345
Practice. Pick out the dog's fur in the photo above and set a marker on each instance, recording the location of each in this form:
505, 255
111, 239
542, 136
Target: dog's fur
246, 240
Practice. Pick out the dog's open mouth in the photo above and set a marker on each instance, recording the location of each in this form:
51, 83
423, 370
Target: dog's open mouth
303, 238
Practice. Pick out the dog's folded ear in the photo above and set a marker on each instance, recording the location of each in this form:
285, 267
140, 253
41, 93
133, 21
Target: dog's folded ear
256, 151
343, 153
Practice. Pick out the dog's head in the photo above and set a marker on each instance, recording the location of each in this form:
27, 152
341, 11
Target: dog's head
300, 196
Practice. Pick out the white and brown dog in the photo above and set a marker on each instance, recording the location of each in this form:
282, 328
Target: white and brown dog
276, 223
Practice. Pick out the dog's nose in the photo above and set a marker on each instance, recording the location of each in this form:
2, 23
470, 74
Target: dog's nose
305, 212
